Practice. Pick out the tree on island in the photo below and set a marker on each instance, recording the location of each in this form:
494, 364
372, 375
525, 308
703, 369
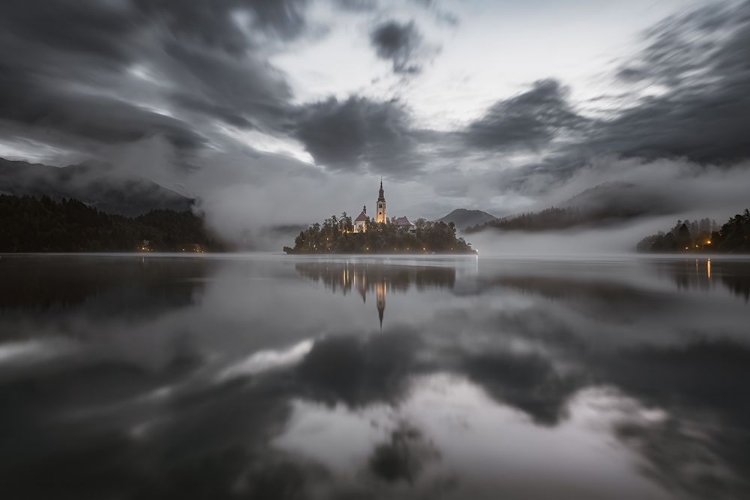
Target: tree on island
336, 235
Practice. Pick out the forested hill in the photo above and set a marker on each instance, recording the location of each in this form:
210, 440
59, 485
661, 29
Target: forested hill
601, 206
702, 236
96, 185
555, 218
29, 224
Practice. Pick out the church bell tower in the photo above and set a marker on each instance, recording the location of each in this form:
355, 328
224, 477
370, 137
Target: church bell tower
380, 216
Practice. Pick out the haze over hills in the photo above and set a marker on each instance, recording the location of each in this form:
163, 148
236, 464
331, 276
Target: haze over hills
464, 218
607, 204
95, 185
622, 199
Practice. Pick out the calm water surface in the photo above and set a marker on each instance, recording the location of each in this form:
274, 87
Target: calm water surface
464, 378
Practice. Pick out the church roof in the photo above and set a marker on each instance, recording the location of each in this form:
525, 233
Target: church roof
403, 221
362, 217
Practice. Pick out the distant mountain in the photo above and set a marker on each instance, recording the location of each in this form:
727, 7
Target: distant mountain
464, 218
97, 186
603, 205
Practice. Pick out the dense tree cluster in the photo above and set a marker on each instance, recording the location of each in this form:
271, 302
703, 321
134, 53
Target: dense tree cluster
702, 236
29, 224
336, 235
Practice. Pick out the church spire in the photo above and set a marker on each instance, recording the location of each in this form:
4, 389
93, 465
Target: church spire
380, 216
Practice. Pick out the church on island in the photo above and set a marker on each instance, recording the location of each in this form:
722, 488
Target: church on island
360, 223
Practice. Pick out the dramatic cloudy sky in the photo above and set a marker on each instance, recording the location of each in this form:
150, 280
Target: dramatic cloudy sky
283, 111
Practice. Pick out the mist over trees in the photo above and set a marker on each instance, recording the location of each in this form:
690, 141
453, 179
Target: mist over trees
555, 218
336, 235
702, 236
29, 224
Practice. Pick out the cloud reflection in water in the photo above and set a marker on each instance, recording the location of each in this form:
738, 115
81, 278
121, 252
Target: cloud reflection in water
234, 378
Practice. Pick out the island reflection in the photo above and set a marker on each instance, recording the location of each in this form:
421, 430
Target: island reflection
377, 278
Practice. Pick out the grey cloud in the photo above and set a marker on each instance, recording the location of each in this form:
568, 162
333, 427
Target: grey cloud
212, 23
357, 5
236, 91
442, 16
684, 44
65, 69
98, 118
701, 57
90, 27
399, 44
527, 121
359, 133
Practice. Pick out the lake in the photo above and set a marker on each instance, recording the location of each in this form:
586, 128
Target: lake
265, 376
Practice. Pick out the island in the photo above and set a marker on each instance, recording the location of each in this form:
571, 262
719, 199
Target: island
379, 235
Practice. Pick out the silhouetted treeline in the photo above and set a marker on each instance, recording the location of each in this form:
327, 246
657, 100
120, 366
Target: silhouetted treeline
29, 224
702, 236
336, 235
555, 218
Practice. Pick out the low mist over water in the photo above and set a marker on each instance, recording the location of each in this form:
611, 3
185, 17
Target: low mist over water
261, 376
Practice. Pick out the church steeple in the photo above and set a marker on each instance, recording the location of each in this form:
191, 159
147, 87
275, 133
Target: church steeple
380, 291
380, 216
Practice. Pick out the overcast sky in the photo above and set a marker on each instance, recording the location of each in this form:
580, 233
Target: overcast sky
283, 111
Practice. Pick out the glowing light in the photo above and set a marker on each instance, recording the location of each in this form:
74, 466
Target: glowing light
708, 242
708, 269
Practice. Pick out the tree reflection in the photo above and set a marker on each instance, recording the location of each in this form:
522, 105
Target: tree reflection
98, 288
704, 273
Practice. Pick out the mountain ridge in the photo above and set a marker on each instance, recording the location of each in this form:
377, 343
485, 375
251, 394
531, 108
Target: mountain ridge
94, 185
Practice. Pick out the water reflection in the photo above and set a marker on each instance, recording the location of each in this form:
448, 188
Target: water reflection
380, 278
100, 285
704, 273
519, 379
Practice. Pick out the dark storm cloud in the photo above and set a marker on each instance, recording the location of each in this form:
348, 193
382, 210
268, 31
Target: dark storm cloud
65, 70
88, 26
694, 69
212, 23
239, 92
358, 132
527, 121
99, 118
701, 58
398, 43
